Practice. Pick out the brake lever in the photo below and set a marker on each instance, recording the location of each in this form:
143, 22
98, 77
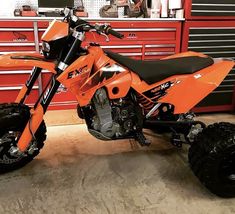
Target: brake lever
106, 36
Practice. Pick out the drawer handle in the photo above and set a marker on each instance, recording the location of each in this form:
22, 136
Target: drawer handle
221, 52
9, 52
229, 80
15, 72
224, 91
200, 41
222, 5
131, 54
14, 88
158, 53
198, 47
212, 28
16, 29
17, 44
161, 46
213, 11
224, 34
122, 46
222, 86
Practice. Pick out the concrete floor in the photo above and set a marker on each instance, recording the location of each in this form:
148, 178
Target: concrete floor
76, 173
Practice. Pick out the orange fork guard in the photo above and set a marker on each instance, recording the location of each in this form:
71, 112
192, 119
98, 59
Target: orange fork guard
32, 126
18, 60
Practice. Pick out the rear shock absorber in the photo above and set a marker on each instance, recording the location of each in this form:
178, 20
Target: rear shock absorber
147, 105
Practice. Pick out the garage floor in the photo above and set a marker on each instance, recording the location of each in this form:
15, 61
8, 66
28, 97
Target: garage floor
75, 173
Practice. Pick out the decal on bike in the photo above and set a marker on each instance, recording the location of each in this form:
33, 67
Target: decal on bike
106, 72
112, 68
75, 73
49, 92
159, 91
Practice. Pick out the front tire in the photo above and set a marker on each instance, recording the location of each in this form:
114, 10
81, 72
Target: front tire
13, 119
212, 158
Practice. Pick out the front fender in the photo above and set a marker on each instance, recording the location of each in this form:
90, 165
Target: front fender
20, 60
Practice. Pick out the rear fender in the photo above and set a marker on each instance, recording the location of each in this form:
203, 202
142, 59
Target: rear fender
19, 60
188, 90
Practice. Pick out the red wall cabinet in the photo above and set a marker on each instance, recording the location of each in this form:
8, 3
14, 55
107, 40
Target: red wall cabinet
209, 9
216, 39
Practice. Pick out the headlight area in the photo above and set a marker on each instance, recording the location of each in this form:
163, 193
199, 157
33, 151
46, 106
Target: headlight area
52, 49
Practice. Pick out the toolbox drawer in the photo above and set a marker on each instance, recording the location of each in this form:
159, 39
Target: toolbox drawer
14, 78
9, 94
17, 35
17, 47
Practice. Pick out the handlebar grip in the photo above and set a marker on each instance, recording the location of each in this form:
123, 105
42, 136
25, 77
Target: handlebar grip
114, 33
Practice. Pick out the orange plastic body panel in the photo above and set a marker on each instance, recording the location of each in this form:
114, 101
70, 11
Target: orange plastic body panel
189, 90
119, 87
79, 79
6, 61
56, 30
21, 94
26, 137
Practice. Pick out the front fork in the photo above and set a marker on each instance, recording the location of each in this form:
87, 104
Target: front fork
39, 109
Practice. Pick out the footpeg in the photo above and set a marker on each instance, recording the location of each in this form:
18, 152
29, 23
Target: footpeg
142, 139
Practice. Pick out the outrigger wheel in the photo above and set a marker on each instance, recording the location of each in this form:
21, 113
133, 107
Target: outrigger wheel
212, 158
13, 119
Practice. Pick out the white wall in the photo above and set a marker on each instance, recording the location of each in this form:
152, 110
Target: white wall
7, 9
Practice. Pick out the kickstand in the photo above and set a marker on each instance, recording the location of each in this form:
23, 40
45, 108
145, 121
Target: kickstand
139, 136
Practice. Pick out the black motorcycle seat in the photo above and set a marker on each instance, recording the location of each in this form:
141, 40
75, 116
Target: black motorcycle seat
154, 71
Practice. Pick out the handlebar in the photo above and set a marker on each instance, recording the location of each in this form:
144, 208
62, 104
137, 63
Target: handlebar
82, 25
109, 30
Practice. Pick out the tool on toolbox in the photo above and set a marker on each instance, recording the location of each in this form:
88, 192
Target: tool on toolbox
134, 8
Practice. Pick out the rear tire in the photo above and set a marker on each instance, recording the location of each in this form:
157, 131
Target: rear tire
13, 119
212, 158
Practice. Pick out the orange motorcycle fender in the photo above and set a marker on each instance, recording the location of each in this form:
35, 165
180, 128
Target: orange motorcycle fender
119, 87
189, 90
19, 60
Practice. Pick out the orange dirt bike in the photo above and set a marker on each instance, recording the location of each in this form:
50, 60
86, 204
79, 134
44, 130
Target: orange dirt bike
118, 97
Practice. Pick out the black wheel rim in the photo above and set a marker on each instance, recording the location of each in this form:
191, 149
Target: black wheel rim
8, 140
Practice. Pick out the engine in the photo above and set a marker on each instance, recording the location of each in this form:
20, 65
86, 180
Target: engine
113, 119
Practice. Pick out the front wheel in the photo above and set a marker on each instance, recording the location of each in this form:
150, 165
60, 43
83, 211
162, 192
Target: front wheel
212, 158
13, 119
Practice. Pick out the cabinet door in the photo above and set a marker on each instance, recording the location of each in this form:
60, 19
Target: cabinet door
216, 39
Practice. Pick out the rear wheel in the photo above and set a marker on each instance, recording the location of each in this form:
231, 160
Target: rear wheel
13, 119
212, 158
